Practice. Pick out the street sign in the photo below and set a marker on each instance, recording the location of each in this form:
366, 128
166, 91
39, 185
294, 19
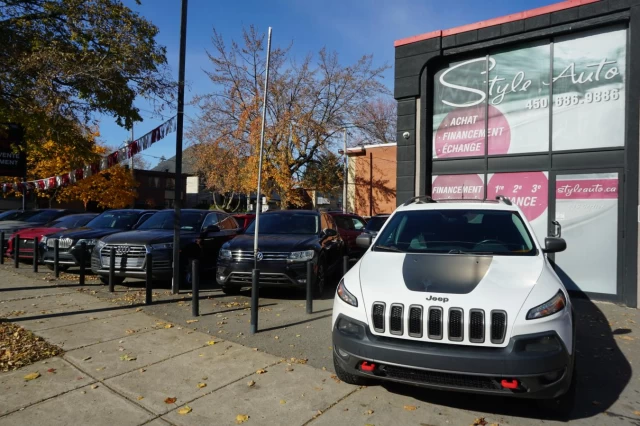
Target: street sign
193, 183
12, 163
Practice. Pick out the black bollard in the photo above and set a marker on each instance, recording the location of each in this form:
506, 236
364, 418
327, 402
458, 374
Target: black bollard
3, 250
83, 253
255, 299
16, 251
345, 265
195, 288
112, 269
56, 257
149, 277
35, 254
309, 287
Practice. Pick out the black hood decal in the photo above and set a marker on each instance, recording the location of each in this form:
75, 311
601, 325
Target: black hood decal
453, 274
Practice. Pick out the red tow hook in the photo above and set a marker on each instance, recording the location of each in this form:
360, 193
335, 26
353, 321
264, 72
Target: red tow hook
510, 384
367, 366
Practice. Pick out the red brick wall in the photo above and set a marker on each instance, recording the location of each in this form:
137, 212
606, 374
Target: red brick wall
375, 181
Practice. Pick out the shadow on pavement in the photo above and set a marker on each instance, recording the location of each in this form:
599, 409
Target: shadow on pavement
603, 373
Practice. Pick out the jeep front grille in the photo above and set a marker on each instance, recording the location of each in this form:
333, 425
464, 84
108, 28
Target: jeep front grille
434, 323
498, 326
436, 378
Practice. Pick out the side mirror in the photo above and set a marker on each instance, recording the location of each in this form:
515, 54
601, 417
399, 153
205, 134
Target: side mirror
364, 240
211, 229
328, 232
554, 245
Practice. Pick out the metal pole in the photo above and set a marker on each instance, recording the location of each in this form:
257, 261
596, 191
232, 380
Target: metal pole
195, 288
346, 172
255, 279
16, 251
112, 269
24, 195
345, 265
35, 254
175, 287
83, 253
3, 250
149, 282
371, 184
133, 199
309, 287
56, 257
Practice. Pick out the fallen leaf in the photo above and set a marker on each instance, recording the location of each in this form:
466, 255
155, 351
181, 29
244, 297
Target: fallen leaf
282, 402
94, 386
51, 370
139, 310
297, 335
410, 407
191, 321
100, 368
185, 410
241, 418
276, 337
479, 422
261, 371
142, 370
31, 376
251, 383
168, 326
86, 359
211, 343
129, 331
127, 357
140, 398
368, 412
202, 385
170, 400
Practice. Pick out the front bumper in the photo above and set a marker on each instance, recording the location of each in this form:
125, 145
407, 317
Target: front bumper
272, 274
539, 375
162, 268
70, 256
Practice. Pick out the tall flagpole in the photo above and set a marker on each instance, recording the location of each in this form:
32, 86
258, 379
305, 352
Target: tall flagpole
256, 272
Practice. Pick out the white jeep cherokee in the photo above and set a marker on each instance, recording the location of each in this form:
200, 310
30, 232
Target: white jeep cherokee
457, 295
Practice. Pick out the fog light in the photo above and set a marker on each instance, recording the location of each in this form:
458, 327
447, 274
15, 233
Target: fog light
347, 327
542, 344
343, 354
554, 376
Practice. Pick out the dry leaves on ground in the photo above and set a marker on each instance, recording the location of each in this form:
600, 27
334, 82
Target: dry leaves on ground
251, 383
170, 400
202, 385
479, 422
368, 412
261, 371
191, 321
410, 407
20, 347
241, 418
211, 343
185, 410
31, 376
127, 357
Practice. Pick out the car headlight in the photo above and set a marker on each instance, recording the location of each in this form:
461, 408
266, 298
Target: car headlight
344, 294
162, 246
301, 256
91, 242
225, 254
550, 307
100, 244
43, 240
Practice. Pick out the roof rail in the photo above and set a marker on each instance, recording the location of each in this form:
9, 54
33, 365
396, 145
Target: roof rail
419, 199
504, 199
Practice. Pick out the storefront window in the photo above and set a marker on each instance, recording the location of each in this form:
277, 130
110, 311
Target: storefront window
448, 187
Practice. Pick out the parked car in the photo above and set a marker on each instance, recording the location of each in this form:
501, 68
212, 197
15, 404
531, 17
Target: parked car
202, 233
16, 214
32, 219
350, 226
244, 219
70, 240
375, 223
287, 240
27, 235
459, 296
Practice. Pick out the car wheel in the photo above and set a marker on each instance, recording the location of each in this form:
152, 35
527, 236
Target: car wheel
348, 378
61, 268
560, 408
116, 280
231, 291
321, 279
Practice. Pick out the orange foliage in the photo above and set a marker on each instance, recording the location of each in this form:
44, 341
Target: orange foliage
111, 188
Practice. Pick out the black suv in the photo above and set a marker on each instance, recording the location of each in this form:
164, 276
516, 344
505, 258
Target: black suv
287, 240
109, 222
202, 233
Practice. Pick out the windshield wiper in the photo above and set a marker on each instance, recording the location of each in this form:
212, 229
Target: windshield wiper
480, 253
387, 248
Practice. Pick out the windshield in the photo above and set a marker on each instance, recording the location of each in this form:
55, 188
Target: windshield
114, 220
457, 232
189, 221
18, 215
73, 221
44, 216
286, 223
375, 223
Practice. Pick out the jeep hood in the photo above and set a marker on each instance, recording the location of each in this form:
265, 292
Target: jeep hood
467, 281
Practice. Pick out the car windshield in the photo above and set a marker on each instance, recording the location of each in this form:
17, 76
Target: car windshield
375, 223
189, 221
72, 221
44, 216
18, 215
286, 223
457, 232
114, 220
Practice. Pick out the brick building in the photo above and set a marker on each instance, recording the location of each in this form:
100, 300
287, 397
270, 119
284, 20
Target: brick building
371, 187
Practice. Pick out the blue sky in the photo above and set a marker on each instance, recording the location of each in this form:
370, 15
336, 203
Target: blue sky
351, 28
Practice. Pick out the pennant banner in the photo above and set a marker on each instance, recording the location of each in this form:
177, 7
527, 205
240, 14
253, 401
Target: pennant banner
105, 163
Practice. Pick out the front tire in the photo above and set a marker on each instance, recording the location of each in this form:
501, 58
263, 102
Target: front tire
348, 378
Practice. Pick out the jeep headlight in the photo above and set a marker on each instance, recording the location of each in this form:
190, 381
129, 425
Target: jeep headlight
225, 254
344, 294
162, 246
550, 307
301, 256
89, 243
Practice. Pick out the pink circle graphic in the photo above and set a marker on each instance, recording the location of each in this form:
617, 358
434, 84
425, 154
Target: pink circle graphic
462, 133
528, 190
469, 187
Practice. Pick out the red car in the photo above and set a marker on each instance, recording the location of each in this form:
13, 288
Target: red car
27, 235
244, 219
350, 226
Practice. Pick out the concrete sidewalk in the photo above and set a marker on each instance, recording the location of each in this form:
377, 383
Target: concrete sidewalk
123, 366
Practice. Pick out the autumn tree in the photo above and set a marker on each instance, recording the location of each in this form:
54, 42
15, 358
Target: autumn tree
324, 174
111, 188
64, 61
375, 121
310, 102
